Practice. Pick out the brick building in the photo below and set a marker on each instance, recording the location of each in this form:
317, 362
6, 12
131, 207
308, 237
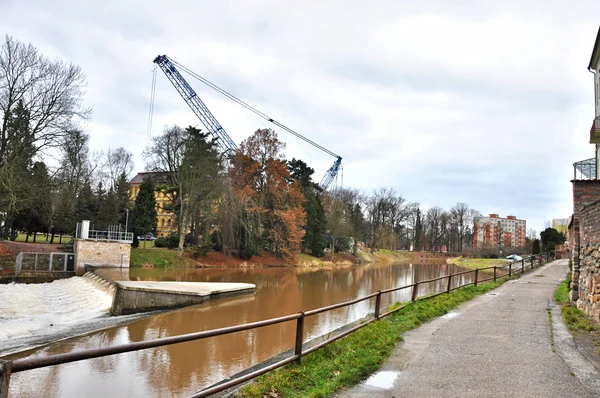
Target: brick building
497, 232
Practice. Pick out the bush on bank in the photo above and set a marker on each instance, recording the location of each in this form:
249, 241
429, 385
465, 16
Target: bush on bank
351, 359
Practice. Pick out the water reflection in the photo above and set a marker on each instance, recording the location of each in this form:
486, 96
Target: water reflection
178, 370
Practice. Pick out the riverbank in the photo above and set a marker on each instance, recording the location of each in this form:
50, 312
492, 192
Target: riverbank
351, 359
159, 257
474, 263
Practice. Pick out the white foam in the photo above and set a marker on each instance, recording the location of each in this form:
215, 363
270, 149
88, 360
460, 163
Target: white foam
33, 309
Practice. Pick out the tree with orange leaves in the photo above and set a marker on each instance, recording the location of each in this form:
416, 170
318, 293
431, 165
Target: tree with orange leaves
273, 203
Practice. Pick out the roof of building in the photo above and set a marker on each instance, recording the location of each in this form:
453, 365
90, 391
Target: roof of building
158, 176
595, 53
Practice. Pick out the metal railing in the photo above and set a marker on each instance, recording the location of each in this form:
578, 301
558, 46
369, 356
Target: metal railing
23, 364
45, 262
112, 233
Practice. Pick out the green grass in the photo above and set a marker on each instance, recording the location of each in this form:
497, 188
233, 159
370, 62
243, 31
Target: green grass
351, 359
477, 262
574, 318
41, 238
154, 256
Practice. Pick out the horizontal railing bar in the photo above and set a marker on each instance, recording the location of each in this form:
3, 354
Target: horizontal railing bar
344, 304
339, 336
239, 380
19, 365
395, 289
390, 312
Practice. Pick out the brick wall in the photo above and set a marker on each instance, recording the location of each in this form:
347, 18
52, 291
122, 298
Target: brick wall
584, 193
589, 223
101, 253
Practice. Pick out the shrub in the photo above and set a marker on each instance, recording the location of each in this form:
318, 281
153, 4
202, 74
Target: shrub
170, 242
201, 249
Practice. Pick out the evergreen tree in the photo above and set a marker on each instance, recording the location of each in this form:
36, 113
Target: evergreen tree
418, 231
536, 247
145, 218
316, 222
122, 198
86, 205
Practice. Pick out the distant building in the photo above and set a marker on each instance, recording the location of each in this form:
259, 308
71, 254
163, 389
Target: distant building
561, 225
166, 220
498, 232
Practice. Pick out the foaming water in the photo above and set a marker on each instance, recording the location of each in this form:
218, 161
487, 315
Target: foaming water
36, 312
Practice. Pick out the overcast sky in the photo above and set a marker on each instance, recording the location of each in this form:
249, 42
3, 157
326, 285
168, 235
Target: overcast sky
483, 102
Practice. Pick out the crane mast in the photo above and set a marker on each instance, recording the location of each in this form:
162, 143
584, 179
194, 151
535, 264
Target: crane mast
195, 103
167, 65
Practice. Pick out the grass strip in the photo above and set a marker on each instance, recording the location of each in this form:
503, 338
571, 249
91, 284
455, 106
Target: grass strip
477, 262
351, 359
154, 256
574, 318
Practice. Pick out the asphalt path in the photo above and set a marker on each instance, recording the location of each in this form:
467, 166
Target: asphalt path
510, 342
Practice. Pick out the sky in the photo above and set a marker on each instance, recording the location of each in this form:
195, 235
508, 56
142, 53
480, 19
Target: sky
483, 102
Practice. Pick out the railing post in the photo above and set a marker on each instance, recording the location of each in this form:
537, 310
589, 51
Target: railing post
35, 263
5, 371
299, 337
495, 271
377, 304
414, 292
449, 283
532, 260
476, 275
523, 264
50, 265
509, 270
542, 259
66, 256
522, 268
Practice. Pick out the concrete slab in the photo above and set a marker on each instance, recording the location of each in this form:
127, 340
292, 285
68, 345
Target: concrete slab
131, 297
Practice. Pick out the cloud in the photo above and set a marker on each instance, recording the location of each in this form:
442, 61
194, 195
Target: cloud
487, 103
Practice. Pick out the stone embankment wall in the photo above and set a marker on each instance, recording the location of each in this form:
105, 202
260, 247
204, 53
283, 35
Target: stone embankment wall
588, 297
585, 193
101, 253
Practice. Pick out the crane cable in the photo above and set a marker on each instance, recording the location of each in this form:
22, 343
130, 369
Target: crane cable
151, 110
252, 109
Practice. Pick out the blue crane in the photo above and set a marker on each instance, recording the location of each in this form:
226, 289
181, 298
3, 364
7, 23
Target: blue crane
168, 66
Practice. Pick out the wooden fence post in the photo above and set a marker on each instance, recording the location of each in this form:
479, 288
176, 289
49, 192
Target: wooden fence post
377, 304
476, 275
449, 283
495, 269
299, 337
5, 371
414, 292
510, 269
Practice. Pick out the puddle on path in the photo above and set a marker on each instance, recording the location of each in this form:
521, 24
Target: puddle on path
383, 379
451, 315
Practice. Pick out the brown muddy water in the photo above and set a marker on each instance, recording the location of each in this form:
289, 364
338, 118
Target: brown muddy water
182, 369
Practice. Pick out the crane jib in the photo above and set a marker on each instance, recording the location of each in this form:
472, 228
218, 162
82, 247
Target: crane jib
188, 94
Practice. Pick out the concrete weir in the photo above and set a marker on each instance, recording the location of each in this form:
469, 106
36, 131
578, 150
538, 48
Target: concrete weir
132, 297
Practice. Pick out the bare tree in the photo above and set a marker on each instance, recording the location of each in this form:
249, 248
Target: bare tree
116, 163
50, 91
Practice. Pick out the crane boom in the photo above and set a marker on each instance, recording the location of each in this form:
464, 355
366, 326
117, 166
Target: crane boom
167, 65
195, 103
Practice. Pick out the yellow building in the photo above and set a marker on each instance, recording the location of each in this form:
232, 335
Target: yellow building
166, 220
561, 225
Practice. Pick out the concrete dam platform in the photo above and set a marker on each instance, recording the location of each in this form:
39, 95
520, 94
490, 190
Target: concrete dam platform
132, 297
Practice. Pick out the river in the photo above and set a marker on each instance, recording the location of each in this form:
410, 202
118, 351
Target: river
181, 369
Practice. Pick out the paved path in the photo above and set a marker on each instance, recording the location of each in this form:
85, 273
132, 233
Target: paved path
497, 345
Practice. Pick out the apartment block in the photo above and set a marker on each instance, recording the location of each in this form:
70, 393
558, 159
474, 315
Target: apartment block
497, 232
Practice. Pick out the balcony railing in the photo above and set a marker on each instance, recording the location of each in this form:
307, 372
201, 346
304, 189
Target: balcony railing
595, 131
586, 169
